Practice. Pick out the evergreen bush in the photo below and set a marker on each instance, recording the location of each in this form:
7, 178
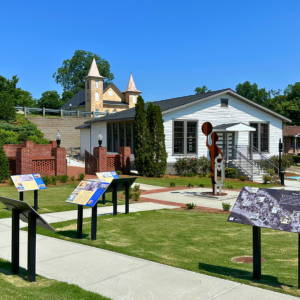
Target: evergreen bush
286, 160
7, 107
231, 173
81, 176
4, 165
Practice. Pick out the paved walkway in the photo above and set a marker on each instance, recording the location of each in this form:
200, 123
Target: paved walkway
121, 276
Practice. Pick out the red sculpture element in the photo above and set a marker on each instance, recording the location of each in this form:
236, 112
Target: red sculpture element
214, 150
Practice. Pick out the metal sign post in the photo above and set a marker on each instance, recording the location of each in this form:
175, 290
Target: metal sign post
79, 221
281, 171
36, 200
21, 196
256, 232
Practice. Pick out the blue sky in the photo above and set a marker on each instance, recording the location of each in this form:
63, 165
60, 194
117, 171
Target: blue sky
170, 47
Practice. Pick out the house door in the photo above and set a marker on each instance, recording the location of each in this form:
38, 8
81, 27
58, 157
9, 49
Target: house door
225, 142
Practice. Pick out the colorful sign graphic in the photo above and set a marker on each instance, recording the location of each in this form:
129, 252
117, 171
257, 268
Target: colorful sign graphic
268, 208
88, 192
28, 182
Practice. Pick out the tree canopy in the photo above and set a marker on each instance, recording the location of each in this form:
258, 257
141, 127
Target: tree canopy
50, 99
17, 95
72, 72
202, 90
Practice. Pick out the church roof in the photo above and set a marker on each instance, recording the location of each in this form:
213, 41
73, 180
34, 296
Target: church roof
131, 86
94, 72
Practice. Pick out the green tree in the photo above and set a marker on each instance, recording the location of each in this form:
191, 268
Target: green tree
251, 91
66, 96
159, 148
50, 99
25, 99
150, 164
72, 72
140, 137
4, 165
202, 90
7, 108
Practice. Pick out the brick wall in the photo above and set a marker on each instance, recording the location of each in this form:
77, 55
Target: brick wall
30, 158
112, 162
65, 125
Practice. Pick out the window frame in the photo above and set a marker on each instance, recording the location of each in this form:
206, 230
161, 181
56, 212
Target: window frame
259, 135
185, 138
96, 84
226, 103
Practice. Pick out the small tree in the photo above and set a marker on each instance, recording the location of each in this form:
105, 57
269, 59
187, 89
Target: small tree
4, 165
159, 148
7, 108
140, 137
150, 164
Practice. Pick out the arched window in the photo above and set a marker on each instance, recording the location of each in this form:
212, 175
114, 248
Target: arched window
96, 84
96, 96
134, 99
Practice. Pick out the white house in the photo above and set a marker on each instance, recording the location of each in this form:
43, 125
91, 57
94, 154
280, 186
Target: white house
248, 133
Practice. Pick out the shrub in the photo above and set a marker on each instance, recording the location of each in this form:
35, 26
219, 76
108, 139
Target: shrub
188, 175
73, 178
119, 172
231, 173
64, 178
204, 164
136, 196
130, 191
46, 179
81, 176
271, 172
201, 185
226, 206
267, 178
189, 184
190, 205
192, 165
296, 160
243, 178
182, 165
53, 179
172, 184
230, 187
10, 182
202, 175
130, 195
136, 187
286, 160
4, 165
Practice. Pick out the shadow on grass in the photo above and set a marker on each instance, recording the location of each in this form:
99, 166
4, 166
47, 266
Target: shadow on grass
71, 234
243, 275
5, 269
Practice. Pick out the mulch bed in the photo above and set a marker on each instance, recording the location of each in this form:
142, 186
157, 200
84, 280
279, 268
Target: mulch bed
205, 210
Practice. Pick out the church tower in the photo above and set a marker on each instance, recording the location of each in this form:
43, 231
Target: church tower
94, 89
131, 93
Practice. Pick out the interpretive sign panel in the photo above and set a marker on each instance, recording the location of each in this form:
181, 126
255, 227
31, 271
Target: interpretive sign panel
88, 192
24, 208
268, 208
28, 182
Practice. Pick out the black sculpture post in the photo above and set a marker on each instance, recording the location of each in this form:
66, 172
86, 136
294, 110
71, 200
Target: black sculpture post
256, 232
281, 171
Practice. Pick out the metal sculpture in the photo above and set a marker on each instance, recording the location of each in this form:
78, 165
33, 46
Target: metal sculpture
216, 158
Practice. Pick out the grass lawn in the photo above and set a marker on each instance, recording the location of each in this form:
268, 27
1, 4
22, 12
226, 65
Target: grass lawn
200, 242
183, 181
50, 200
16, 287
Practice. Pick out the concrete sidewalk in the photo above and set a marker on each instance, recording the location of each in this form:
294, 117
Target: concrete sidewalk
123, 277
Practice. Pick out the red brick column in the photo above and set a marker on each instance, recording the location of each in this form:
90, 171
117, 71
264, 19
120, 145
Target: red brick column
101, 154
125, 158
23, 161
60, 161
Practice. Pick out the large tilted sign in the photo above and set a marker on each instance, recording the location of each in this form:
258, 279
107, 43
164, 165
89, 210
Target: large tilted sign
22, 210
267, 208
28, 182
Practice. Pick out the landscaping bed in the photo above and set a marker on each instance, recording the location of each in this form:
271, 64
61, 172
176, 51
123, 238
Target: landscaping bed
199, 241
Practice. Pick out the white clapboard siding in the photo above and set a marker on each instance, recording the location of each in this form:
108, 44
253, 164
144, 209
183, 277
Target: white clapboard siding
211, 111
96, 129
84, 141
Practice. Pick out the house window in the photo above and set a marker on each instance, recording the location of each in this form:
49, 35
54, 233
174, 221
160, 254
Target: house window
109, 137
191, 137
122, 134
87, 84
115, 138
224, 102
260, 138
129, 135
178, 137
134, 99
96, 84
87, 97
96, 96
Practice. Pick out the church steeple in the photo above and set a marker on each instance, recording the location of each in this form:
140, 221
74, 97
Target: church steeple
94, 72
131, 93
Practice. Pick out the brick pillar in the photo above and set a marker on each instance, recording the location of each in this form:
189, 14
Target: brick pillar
60, 161
54, 144
23, 161
101, 154
125, 157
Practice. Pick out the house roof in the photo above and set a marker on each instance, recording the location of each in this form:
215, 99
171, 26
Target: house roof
176, 103
108, 102
84, 126
291, 130
79, 98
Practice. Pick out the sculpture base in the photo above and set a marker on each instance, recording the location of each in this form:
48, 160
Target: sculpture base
212, 194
